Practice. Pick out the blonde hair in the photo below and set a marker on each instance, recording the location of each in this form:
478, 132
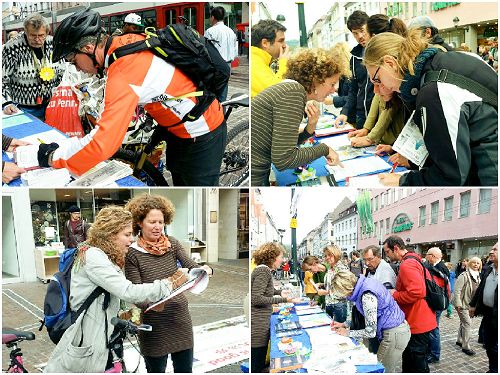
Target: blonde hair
334, 251
342, 51
343, 283
110, 221
312, 66
403, 50
475, 259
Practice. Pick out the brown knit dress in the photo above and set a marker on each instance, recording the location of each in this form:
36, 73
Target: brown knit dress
172, 328
263, 296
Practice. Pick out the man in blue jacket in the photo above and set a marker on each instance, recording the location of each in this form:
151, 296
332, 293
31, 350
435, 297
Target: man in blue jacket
361, 90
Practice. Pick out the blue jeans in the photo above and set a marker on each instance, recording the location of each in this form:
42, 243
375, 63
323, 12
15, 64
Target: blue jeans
435, 340
337, 311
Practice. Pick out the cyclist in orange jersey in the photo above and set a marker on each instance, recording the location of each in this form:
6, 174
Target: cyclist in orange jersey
195, 148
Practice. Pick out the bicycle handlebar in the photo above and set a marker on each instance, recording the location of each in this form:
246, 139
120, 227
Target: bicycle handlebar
128, 326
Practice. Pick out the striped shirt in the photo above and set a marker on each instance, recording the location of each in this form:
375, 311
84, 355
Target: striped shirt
172, 328
276, 115
263, 296
224, 39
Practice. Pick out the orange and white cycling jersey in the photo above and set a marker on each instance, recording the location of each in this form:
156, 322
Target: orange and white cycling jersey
137, 79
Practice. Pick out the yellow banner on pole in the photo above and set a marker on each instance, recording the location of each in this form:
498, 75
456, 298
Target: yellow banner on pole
293, 223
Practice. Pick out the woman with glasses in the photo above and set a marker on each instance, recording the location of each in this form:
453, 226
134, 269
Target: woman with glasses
459, 122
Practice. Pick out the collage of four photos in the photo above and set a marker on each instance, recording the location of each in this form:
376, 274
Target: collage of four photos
250, 187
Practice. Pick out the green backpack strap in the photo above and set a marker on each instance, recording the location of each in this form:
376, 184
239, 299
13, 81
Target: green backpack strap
444, 75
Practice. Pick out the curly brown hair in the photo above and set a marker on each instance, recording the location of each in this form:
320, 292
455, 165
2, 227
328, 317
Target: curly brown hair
110, 221
312, 66
141, 205
267, 253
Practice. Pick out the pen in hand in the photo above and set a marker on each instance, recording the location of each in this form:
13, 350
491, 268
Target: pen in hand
394, 166
39, 140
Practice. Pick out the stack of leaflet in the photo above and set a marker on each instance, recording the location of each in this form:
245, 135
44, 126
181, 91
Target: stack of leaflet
307, 310
46, 177
287, 325
314, 320
104, 174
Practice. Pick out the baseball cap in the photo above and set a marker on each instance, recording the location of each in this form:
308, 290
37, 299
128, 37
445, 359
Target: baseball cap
73, 208
133, 19
421, 21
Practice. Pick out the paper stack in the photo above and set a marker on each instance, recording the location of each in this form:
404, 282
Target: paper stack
46, 177
104, 174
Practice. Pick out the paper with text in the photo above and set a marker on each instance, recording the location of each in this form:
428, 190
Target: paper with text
359, 166
410, 143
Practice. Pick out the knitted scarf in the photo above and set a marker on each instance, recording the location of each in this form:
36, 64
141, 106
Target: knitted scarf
411, 82
159, 247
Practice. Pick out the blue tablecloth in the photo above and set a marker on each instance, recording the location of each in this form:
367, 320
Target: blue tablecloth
306, 342
36, 126
287, 177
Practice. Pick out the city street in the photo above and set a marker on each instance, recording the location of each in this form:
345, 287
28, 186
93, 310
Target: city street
221, 331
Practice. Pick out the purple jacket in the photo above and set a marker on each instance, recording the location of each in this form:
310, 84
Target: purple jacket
389, 315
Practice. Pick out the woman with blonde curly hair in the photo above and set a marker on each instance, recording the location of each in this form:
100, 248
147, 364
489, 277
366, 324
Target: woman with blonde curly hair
452, 93
155, 255
465, 287
98, 269
312, 74
267, 257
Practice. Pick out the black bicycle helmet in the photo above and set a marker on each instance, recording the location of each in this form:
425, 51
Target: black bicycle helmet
72, 29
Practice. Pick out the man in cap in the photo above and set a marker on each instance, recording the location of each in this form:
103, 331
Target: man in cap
430, 31
132, 23
75, 229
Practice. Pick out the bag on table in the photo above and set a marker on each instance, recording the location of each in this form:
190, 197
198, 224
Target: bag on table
62, 111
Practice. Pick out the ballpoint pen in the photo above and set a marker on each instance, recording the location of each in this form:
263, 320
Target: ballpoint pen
394, 166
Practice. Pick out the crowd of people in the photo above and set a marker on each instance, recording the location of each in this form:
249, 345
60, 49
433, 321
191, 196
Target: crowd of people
34, 63
380, 297
391, 77
140, 271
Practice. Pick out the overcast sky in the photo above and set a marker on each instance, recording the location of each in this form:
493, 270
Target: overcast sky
313, 10
313, 205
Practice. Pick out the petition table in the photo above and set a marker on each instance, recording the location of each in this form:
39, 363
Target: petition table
314, 328
362, 161
31, 129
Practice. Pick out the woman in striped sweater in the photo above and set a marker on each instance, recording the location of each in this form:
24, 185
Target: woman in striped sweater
152, 255
267, 257
277, 112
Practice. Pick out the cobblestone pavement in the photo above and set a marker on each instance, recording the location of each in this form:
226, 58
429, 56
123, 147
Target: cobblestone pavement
452, 360
22, 305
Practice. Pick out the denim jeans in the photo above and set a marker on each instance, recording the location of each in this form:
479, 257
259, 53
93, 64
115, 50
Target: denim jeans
435, 340
337, 311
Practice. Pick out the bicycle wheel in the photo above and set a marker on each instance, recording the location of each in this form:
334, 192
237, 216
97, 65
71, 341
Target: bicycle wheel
234, 167
149, 174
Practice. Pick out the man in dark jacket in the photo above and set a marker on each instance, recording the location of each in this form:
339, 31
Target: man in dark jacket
75, 229
361, 90
485, 303
430, 31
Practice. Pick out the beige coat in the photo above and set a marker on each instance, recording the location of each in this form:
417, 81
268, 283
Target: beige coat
92, 355
463, 290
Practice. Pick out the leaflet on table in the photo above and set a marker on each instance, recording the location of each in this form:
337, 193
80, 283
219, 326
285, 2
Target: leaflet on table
410, 143
287, 325
19, 112
46, 177
15, 120
328, 128
337, 141
104, 174
27, 156
48, 136
359, 166
311, 310
197, 283
288, 363
372, 181
314, 320
349, 152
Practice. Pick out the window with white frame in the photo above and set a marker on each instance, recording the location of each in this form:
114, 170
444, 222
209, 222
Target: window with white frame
434, 212
465, 204
421, 217
387, 225
484, 201
448, 208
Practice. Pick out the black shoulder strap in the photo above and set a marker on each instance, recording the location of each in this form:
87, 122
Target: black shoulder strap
444, 75
141, 45
91, 298
419, 261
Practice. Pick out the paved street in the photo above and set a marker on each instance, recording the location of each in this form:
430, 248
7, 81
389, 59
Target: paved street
217, 316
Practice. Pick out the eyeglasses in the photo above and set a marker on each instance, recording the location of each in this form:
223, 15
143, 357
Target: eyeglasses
376, 79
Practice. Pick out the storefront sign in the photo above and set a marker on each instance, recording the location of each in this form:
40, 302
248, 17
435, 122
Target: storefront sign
443, 5
401, 223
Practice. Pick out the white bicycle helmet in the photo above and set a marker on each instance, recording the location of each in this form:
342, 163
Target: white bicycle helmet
133, 19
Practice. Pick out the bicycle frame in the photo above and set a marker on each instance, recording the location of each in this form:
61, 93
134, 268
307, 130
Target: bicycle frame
16, 364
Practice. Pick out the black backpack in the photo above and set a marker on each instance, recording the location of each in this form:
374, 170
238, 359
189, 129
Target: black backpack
437, 297
195, 55
58, 315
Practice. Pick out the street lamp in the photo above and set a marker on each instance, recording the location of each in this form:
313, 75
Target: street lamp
456, 21
280, 232
280, 18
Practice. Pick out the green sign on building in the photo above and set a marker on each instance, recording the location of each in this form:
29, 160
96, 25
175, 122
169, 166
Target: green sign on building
443, 5
402, 223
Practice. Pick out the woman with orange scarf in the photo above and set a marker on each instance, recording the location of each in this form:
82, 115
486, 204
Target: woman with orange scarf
153, 254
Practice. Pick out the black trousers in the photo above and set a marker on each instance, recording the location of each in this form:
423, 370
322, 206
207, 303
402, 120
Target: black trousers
196, 161
182, 361
490, 333
415, 354
258, 362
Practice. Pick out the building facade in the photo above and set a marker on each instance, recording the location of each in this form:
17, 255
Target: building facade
263, 229
345, 229
461, 222
458, 22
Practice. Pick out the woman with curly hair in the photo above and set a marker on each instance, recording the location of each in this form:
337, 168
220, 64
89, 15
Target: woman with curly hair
267, 257
312, 74
155, 255
99, 262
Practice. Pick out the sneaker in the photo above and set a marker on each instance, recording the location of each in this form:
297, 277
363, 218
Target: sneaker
458, 343
468, 351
